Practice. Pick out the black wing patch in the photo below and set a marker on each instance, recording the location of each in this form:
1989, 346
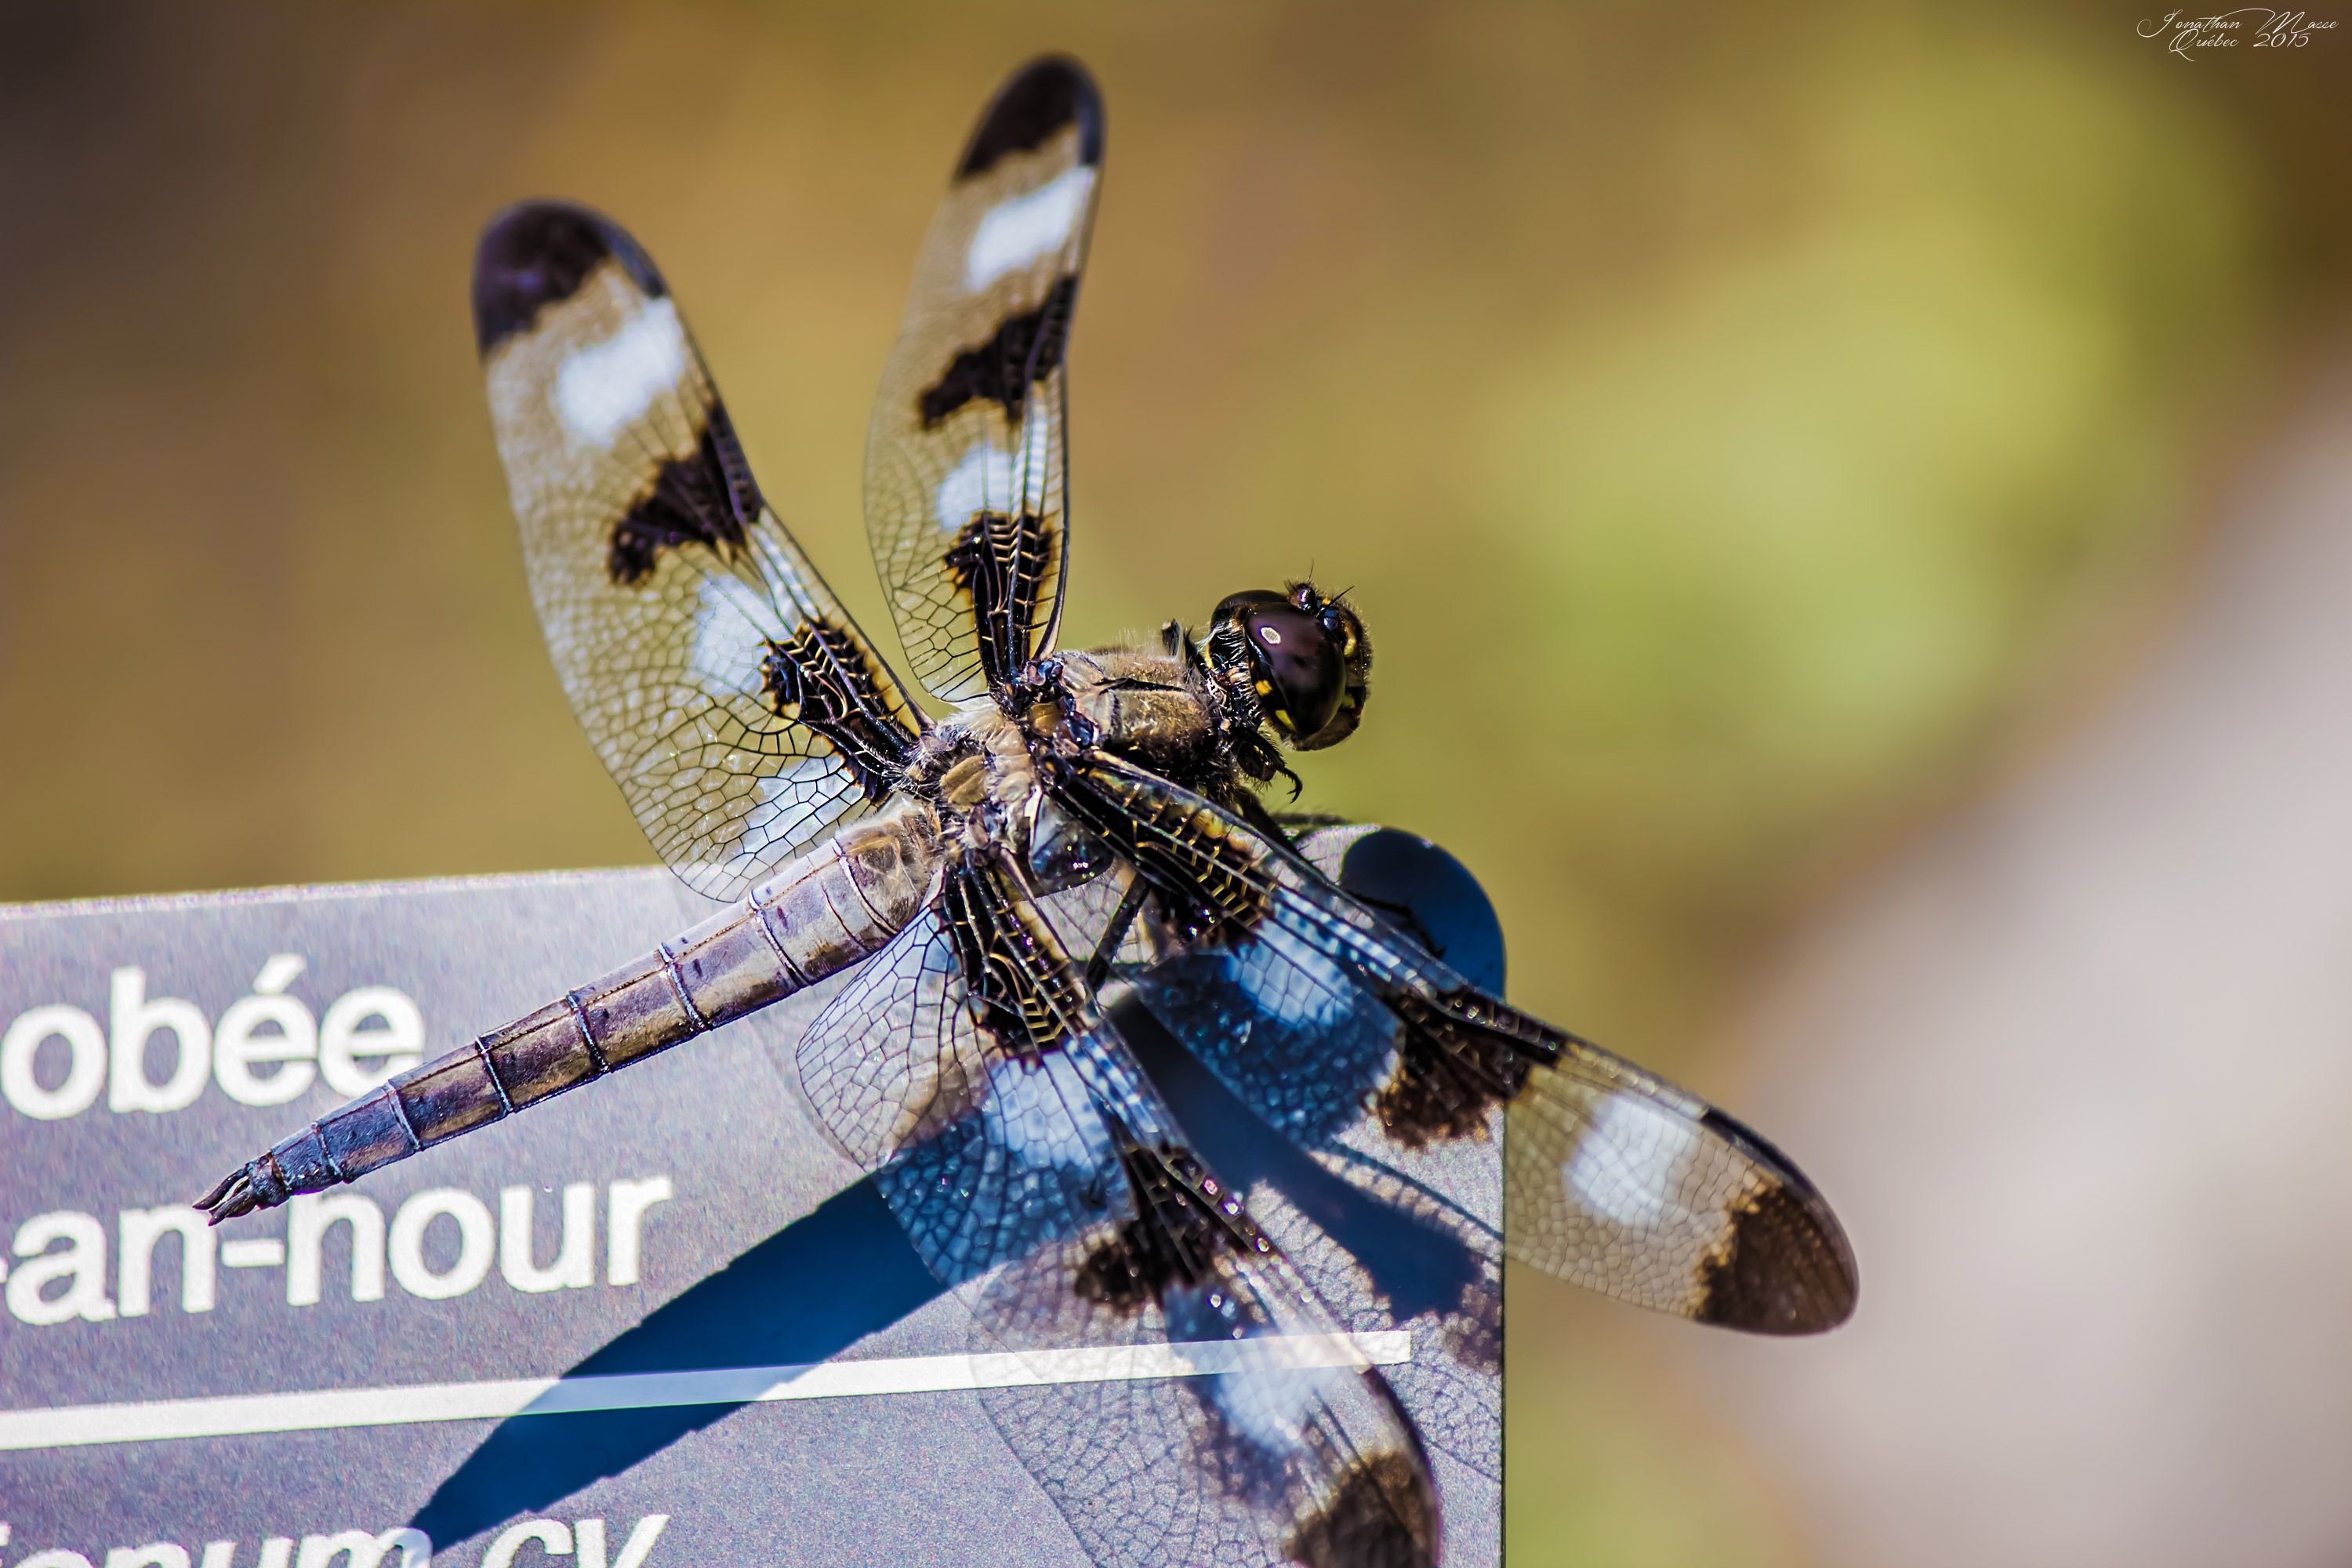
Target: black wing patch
705, 498
1000, 565
822, 678
1026, 350
1184, 1221
1022, 990
1042, 100
538, 254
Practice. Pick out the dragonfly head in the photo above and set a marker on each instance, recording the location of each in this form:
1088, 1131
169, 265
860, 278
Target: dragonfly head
1303, 658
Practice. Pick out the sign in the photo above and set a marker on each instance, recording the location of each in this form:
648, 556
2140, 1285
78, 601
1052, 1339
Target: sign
659, 1320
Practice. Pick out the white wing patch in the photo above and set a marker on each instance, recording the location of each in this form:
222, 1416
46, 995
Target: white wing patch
603, 387
1274, 1408
791, 585
1020, 229
1034, 1108
1307, 992
728, 644
1628, 1164
986, 478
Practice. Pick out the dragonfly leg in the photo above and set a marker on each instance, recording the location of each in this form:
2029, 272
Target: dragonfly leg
1122, 919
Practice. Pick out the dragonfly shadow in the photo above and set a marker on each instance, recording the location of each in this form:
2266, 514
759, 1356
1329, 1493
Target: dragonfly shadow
846, 1270
759, 1311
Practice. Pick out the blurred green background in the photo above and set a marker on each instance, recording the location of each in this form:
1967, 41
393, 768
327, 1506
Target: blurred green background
1745, 431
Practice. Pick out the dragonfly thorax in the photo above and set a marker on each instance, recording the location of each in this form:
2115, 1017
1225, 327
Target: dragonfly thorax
975, 770
979, 766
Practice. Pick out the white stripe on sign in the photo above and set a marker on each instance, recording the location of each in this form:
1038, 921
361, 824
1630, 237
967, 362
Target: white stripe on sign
73, 1425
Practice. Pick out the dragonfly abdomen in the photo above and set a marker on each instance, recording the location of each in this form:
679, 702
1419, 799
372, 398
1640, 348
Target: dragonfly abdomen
826, 910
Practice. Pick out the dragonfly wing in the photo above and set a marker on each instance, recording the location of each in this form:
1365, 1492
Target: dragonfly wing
732, 698
1616, 1179
966, 457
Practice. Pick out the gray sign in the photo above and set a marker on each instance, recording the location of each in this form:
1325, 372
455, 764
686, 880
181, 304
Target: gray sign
660, 1321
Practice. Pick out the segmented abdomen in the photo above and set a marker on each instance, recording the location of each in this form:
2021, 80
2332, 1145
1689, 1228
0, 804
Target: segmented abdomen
823, 912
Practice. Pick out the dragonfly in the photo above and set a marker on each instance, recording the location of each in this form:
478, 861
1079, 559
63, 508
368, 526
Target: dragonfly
1077, 828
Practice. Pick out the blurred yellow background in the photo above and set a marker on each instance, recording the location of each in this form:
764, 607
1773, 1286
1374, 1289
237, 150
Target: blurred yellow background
1752, 435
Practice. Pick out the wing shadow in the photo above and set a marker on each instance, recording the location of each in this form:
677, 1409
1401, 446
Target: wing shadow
758, 1311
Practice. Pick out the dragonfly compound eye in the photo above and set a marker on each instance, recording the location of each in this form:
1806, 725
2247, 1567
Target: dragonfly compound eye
1307, 658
